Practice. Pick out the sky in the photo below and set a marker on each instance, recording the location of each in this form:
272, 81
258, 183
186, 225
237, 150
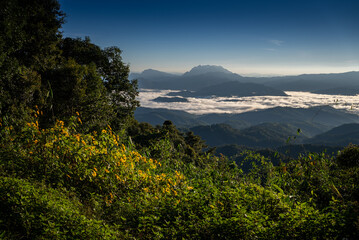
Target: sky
248, 37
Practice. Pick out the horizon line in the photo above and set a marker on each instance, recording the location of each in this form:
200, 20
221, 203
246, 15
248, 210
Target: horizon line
248, 74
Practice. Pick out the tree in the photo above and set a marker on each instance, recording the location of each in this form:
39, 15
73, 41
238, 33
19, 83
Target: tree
30, 31
122, 91
114, 73
29, 34
83, 51
61, 76
78, 88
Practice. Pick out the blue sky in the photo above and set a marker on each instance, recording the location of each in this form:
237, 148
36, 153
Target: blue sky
246, 37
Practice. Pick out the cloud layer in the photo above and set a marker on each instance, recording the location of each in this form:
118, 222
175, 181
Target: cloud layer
245, 104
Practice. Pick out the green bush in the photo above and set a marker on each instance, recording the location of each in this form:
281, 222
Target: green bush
349, 156
35, 211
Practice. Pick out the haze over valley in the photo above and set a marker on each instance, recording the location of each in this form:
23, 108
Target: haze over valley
211, 101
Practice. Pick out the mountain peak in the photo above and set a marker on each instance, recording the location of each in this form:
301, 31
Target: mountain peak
154, 74
150, 70
202, 69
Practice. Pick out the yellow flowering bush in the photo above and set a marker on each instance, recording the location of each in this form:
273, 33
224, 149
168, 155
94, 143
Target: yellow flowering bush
92, 163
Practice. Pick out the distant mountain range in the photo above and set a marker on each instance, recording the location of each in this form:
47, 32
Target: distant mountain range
262, 128
196, 79
262, 135
312, 120
339, 91
314, 82
232, 88
265, 128
204, 76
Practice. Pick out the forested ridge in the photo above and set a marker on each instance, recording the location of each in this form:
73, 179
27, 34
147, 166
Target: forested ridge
75, 164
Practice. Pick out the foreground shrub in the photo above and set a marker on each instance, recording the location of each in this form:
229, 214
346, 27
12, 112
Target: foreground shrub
34, 211
349, 156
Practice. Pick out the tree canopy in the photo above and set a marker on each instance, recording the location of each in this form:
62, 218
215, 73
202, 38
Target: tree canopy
60, 76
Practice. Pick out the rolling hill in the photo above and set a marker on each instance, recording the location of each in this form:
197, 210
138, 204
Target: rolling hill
311, 121
159, 115
338, 136
263, 135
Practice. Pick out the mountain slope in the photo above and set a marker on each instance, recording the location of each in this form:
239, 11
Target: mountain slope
203, 69
339, 91
338, 136
314, 82
263, 135
325, 115
156, 116
233, 88
197, 78
152, 74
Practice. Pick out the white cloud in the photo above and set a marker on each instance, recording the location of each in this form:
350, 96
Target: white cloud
276, 42
245, 104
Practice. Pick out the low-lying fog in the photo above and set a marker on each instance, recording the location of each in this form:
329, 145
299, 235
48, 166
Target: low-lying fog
245, 104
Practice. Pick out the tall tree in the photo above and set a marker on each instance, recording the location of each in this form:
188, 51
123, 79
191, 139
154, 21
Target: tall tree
122, 91
82, 51
78, 89
29, 34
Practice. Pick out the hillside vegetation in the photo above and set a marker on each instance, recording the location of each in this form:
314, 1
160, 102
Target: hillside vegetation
75, 164
61, 183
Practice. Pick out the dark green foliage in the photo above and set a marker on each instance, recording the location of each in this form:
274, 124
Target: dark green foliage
78, 88
39, 69
185, 146
29, 33
122, 92
338, 136
349, 157
310, 197
34, 211
82, 51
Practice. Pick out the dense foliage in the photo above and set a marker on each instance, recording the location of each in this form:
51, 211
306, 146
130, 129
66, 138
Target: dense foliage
59, 182
59, 76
